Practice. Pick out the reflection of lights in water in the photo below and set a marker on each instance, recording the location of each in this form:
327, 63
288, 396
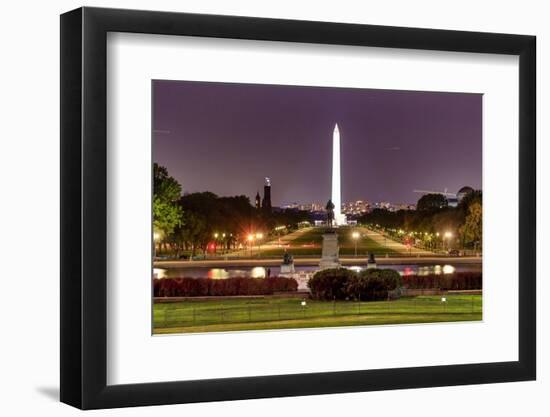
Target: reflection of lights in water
159, 273
355, 268
448, 269
424, 270
217, 273
408, 271
258, 272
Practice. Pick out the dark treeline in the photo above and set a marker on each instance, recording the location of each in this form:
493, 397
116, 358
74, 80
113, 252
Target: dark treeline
433, 217
196, 222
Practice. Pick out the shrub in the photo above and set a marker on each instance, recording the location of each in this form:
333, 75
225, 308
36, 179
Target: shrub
454, 281
330, 284
345, 284
373, 284
202, 287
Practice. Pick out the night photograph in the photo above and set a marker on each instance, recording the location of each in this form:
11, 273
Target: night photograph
280, 207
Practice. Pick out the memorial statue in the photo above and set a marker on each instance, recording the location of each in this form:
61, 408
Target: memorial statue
371, 263
330, 213
287, 259
287, 268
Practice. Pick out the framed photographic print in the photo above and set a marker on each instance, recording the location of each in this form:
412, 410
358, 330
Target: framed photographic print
258, 208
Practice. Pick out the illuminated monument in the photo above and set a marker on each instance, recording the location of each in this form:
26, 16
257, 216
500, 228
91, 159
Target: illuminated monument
339, 218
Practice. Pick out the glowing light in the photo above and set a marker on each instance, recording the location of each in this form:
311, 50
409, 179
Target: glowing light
448, 235
218, 273
259, 235
443, 299
448, 269
355, 235
250, 237
216, 235
156, 236
258, 272
159, 273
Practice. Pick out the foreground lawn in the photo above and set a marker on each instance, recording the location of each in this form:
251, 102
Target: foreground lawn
285, 313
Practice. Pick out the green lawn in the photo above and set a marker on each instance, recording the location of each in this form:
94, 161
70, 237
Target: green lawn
284, 313
309, 243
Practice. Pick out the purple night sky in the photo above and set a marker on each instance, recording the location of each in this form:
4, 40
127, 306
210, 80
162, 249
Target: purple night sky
226, 138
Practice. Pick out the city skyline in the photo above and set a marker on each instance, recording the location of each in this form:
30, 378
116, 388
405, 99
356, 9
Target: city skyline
225, 138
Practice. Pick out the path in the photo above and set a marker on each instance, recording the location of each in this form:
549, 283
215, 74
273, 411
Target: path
394, 245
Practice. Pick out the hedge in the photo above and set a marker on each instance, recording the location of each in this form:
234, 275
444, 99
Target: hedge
203, 287
454, 281
345, 284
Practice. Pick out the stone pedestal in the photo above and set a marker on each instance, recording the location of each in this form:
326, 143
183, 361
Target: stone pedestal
329, 256
288, 268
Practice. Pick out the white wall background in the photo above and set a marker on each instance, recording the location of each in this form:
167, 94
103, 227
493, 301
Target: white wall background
29, 174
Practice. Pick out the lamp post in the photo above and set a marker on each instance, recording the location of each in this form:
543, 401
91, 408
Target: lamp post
156, 238
355, 236
447, 236
259, 237
250, 239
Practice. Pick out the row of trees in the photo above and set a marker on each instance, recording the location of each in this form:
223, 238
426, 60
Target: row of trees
433, 216
194, 222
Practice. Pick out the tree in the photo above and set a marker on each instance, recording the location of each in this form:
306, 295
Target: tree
472, 230
165, 187
167, 214
432, 202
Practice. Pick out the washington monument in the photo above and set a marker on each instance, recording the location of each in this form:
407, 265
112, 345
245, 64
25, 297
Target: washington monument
339, 218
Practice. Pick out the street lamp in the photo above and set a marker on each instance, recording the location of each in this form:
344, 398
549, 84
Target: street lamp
447, 236
250, 239
216, 242
156, 238
259, 237
355, 236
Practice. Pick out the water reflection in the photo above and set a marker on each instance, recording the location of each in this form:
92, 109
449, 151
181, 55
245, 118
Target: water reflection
448, 269
159, 273
258, 272
217, 273
261, 272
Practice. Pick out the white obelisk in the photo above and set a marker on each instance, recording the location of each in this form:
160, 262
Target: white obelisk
339, 218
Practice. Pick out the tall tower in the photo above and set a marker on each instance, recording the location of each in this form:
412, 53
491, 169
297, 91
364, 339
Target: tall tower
339, 218
258, 200
266, 203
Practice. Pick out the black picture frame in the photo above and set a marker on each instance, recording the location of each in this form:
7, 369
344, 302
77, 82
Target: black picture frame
84, 207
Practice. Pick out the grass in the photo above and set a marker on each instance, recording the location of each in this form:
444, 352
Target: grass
285, 313
309, 243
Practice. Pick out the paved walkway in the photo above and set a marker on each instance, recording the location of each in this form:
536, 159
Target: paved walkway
272, 244
394, 245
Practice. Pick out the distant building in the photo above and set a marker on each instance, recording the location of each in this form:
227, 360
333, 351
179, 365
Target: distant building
355, 207
266, 202
258, 200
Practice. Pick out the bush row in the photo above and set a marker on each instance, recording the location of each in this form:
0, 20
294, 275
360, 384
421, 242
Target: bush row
202, 287
345, 284
454, 281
